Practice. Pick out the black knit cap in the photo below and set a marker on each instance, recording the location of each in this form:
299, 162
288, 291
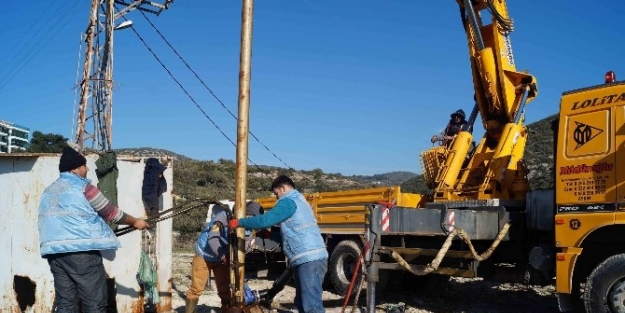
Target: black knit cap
71, 159
253, 208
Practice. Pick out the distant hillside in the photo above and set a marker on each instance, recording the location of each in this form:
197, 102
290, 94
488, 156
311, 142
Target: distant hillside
194, 178
149, 152
385, 179
539, 153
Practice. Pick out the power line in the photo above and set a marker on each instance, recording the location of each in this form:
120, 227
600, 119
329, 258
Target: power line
31, 54
18, 43
207, 88
189, 95
27, 45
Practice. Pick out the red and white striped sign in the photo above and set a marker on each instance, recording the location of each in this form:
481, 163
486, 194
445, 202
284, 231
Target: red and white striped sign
386, 215
386, 219
451, 220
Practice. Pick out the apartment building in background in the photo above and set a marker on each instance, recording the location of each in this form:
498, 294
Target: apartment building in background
13, 137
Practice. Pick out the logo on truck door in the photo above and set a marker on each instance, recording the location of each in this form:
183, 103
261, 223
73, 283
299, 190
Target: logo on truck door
608, 99
584, 133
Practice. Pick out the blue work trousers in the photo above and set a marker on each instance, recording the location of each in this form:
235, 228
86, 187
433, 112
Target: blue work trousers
79, 276
308, 286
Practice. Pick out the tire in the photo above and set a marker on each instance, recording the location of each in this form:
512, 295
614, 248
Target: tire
342, 264
605, 288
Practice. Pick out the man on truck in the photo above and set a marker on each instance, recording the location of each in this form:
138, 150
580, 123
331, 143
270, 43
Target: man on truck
457, 120
302, 242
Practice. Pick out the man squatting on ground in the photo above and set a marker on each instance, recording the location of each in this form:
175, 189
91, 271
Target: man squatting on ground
73, 229
212, 253
302, 242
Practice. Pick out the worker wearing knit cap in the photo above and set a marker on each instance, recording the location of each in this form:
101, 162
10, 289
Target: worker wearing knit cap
71, 159
212, 254
72, 232
253, 208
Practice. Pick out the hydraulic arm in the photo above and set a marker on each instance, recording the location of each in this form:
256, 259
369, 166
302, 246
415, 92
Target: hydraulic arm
493, 169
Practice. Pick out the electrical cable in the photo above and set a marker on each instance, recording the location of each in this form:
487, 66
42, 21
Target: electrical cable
506, 24
29, 45
19, 42
189, 95
207, 88
30, 55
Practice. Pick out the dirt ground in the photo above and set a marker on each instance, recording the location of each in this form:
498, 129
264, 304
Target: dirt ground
461, 295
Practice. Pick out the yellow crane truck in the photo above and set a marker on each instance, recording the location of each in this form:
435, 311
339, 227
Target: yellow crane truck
480, 198
590, 197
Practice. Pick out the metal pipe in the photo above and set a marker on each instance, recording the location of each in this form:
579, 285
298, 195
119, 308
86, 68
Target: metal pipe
374, 229
475, 27
469, 126
368, 234
245, 76
526, 91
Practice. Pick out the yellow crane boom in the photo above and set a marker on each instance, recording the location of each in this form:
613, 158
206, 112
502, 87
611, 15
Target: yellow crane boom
494, 168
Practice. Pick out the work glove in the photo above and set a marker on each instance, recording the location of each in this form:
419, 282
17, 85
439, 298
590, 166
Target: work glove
233, 223
434, 139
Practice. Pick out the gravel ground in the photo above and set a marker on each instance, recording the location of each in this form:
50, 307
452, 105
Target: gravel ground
461, 295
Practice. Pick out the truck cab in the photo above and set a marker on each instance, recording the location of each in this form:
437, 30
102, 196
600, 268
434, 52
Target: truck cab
590, 197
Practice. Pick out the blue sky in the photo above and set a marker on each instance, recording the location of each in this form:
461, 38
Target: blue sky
348, 86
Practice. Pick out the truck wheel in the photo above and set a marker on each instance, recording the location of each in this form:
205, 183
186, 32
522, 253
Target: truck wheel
343, 264
605, 288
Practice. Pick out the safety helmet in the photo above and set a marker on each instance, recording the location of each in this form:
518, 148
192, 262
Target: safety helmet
459, 112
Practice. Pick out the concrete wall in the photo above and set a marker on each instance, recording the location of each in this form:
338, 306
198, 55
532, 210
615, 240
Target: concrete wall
26, 284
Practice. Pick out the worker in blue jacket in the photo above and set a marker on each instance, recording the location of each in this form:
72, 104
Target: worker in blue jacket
302, 242
212, 253
72, 230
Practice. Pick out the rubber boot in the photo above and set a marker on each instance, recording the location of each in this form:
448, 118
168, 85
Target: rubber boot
190, 305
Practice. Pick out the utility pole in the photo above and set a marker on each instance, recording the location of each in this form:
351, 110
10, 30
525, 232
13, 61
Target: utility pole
96, 86
245, 75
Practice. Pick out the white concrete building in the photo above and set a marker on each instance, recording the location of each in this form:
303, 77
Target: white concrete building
26, 283
13, 137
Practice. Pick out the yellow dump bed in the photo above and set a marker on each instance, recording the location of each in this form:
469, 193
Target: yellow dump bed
339, 212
